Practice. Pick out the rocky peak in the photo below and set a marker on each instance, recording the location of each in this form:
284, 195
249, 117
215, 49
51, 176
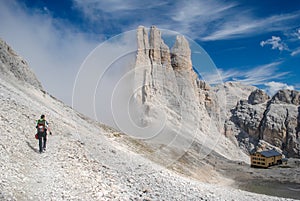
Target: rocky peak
152, 49
235, 92
257, 96
287, 96
203, 85
275, 121
15, 67
181, 54
167, 81
142, 38
143, 45
155, 45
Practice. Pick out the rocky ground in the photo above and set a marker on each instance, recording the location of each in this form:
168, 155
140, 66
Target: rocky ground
84, 160
89, 161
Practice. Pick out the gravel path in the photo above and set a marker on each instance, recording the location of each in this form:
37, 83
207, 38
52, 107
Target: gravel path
83, 161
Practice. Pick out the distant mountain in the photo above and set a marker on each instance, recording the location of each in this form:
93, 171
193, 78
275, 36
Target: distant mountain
221, 118
274, 120
84, 159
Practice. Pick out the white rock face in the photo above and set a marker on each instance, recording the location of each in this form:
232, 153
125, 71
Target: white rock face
84, 160
274, 120
168, 90
258, 96
181, 55
234, 92
14, 67
171, 98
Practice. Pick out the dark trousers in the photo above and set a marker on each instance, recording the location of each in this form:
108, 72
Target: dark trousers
42, 141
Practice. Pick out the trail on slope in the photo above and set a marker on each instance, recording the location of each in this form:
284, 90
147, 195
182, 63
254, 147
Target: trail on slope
43, 170
93, 168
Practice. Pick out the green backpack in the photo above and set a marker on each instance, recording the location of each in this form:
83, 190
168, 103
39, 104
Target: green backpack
41, 126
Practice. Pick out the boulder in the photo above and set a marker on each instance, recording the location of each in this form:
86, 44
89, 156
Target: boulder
257, 96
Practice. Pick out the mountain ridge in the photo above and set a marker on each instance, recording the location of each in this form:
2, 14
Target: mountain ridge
164, 77
86, 160
14, 67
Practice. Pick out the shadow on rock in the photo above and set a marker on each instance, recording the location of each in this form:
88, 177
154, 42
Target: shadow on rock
31, 147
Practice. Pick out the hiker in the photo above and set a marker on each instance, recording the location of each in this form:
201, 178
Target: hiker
42, 127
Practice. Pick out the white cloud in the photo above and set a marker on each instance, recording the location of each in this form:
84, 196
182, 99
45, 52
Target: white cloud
236, 26
255, 76
53, 49
295, 52
275, 42
99, 74
115, 9
293, 37
217, 20
297, 34
261, 74
191, 11
204, 20
198, 18
273, 87
115, 5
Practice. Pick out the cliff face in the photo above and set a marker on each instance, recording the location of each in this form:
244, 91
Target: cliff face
168, 91
171, 98
14, 67
163, 77
84, 159
274, 120
89, 161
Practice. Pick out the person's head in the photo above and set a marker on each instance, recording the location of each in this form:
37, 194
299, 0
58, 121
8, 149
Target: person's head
42, 116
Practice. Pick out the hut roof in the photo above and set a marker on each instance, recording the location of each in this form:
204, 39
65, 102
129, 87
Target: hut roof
270, 153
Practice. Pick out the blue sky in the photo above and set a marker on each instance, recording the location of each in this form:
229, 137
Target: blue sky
256, 42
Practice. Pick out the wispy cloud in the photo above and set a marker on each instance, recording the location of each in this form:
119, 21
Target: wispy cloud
51, 45
294, 39
115, 5
261, 74
295, 52
199, 19
248, 26
296, 34
189, 11
275, 42
119, 16
255, 76
188, 16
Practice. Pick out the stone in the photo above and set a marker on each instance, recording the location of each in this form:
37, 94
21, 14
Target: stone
165, 79
181, 54
15, 67
275, 121
287, 96
258, 96
96, 173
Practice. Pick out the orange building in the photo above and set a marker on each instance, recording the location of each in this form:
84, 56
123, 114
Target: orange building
266, 159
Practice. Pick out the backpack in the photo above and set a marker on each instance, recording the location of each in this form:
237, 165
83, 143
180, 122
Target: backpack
41, 126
